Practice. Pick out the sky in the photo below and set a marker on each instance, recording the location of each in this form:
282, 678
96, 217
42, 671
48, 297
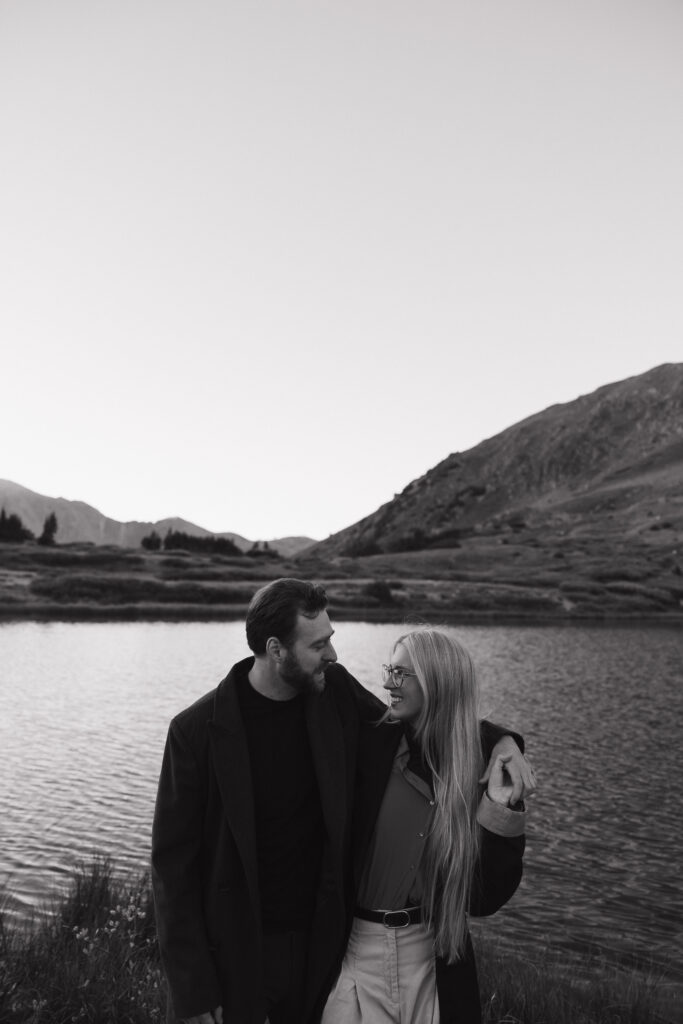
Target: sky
264, 263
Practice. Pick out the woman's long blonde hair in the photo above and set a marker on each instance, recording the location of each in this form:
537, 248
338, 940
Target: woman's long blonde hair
447, 730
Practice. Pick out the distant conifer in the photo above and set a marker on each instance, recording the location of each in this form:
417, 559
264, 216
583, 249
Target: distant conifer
152, 542
211, 545
12, 529
47, 537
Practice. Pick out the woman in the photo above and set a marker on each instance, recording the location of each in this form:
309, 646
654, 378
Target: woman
430, 846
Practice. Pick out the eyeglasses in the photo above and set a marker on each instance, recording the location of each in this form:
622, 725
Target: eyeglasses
396, 674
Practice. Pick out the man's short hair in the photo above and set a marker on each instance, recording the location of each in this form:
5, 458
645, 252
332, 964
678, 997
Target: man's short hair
273, 610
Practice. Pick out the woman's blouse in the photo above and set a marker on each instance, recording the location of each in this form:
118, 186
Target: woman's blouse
391, 878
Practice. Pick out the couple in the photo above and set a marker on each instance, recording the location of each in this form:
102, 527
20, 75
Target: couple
315, 854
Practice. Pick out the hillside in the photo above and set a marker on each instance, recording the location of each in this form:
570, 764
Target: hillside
576, 512
609, 464
81, 523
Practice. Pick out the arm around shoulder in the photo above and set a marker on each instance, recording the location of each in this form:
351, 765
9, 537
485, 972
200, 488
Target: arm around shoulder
501, 843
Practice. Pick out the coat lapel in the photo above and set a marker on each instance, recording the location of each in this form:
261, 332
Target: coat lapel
231, 763
330, 761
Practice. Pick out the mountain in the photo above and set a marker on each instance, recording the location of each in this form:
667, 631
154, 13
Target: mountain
78, 522
607, 466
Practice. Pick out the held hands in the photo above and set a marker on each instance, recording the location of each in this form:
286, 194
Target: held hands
509, 775
210, 1017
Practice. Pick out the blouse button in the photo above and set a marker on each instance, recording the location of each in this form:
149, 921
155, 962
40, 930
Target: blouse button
421, 835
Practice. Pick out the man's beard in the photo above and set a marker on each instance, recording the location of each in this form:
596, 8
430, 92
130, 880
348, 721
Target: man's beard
292, 673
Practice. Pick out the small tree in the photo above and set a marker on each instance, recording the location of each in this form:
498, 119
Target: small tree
152, 542
12, 528
47, 537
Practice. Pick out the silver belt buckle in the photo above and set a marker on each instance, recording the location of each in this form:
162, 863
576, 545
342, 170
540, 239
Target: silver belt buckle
403, 915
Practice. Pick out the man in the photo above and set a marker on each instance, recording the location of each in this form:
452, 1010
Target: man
251, 845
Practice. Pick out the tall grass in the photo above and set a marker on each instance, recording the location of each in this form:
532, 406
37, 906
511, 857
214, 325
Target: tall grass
94, 959
587, 989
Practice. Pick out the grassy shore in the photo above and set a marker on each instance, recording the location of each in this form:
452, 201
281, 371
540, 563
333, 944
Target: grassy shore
94, 959
478, 582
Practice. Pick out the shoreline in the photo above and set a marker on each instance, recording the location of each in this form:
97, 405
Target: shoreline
80, 612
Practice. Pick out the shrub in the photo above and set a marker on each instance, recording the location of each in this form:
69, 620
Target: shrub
361, 548
379, 590
411, 540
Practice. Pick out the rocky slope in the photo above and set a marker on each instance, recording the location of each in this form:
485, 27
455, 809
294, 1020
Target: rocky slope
607, 465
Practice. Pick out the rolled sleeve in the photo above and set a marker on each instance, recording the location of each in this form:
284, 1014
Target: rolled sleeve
500, 820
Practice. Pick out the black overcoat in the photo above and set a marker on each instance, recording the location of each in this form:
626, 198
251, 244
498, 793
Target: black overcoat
204, 848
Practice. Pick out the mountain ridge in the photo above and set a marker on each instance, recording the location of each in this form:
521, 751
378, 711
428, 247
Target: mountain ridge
620, 446
79, 522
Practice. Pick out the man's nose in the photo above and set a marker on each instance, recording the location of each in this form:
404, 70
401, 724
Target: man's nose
331, 654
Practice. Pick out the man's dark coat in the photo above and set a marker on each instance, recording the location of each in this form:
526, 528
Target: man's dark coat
204, 848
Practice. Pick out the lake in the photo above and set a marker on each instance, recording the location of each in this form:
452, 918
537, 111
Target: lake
84, 709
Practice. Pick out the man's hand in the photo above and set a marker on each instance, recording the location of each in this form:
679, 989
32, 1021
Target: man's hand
522, 778
210, 1017
500, 787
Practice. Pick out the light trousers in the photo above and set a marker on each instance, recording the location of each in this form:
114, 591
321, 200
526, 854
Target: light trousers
387, 977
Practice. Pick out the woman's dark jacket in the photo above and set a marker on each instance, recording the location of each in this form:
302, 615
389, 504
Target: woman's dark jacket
500, 864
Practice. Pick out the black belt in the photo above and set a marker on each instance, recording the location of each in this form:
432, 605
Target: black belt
391, 918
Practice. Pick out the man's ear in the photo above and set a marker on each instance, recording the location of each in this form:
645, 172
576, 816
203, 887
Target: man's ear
274, 649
